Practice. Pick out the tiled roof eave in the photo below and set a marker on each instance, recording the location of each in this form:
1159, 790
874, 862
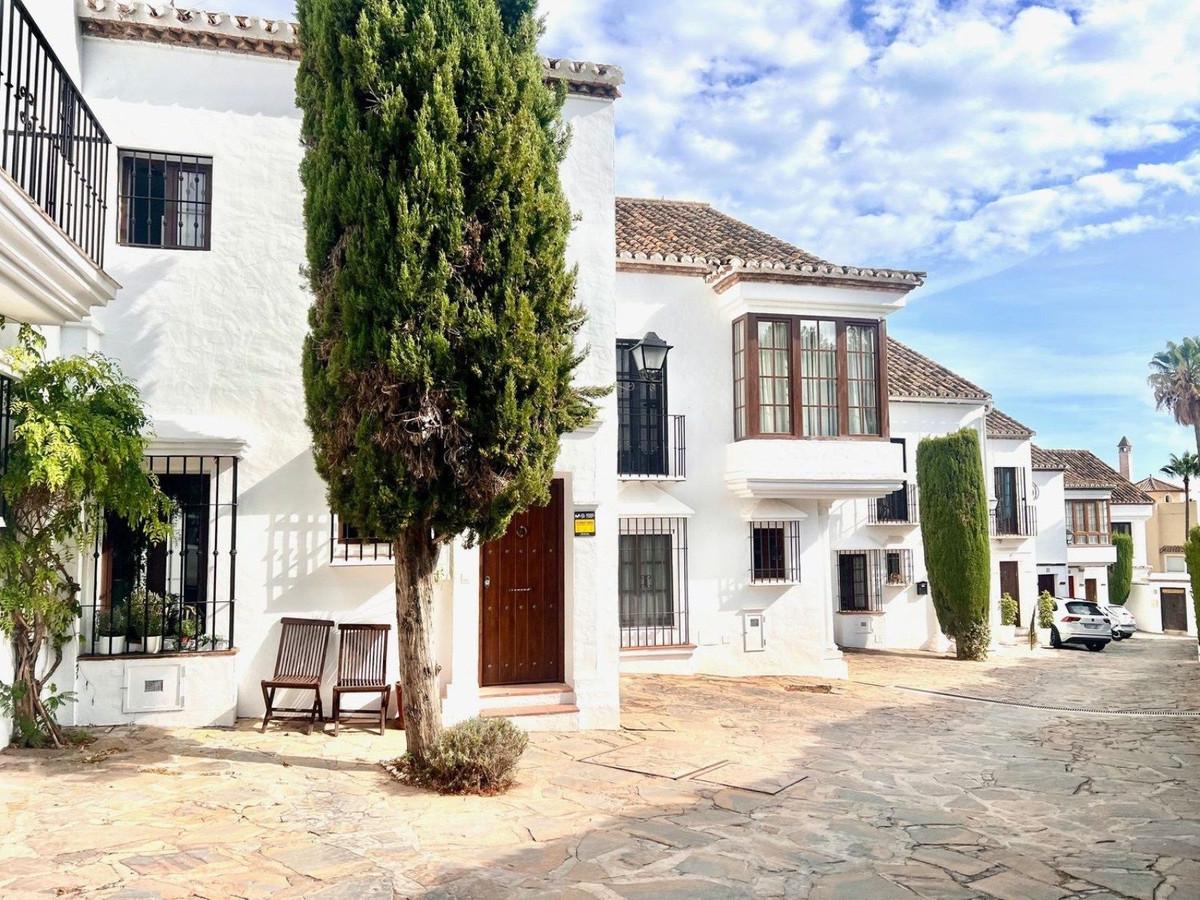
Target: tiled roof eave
137, 20
734, 271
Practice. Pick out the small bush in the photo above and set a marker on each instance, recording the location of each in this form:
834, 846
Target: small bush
478, 756
971, 642
1008, 610
1045, 610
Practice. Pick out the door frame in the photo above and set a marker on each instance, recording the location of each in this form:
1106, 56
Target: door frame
557, 484
1014, 567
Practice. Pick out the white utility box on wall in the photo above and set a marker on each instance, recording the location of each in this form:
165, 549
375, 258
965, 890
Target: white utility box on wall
754, 631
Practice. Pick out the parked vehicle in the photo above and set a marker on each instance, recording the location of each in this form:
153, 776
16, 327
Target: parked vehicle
1080, 622
1124, 625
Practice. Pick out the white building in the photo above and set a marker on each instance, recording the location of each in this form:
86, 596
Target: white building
750, 509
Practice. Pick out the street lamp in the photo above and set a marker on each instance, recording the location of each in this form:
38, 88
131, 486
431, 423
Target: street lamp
650, 355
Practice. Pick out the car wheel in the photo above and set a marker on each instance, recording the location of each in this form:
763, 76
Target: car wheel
1055, 638
1117, 636
1095, 646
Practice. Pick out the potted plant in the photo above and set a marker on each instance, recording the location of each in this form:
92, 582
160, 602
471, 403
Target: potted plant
1008, 619
111, 626
187, 631
146, 613
1045, 617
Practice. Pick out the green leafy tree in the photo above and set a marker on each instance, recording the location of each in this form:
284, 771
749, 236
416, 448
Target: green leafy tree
1120, 576
954, 529
1184, 466
439, 366
1191, 552
76, 450
1175, 380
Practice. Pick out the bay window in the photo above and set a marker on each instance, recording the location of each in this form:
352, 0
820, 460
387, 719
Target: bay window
803, 377
1088, 522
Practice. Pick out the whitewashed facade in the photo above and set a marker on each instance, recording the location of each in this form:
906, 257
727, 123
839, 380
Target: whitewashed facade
727, 539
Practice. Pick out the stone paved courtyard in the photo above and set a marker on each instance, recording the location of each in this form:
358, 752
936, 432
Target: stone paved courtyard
888, 786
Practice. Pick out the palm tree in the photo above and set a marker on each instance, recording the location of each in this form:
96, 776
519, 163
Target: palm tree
1187, 467
1175, 379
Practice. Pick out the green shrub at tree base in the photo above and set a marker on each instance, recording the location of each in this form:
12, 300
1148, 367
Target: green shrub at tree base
954, 529
1008, 610
1120, 576
478, 756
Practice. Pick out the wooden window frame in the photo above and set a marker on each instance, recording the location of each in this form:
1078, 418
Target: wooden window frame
173, 164
1102, 511
748, 326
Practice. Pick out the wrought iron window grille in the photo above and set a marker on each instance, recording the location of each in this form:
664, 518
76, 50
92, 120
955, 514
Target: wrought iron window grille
774, 552
653, 582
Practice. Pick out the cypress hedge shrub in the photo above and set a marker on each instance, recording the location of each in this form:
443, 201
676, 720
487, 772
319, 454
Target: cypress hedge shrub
954, 528
1192, 555
1120, 579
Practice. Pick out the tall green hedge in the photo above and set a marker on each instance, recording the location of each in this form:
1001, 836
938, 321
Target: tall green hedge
1192, 555
954, 528
1120, 579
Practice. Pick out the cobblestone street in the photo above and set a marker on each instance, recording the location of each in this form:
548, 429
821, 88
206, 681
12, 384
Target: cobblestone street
888, 786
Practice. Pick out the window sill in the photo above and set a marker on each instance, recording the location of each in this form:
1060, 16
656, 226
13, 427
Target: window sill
860, 612
660, 650
754, 583
370, 563
167, 654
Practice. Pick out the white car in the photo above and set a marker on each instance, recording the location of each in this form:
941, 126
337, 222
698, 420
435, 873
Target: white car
1080, 622
1124, 625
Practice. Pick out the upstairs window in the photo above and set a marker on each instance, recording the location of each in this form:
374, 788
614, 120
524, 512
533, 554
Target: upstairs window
165, 200
1088, 522
803, 377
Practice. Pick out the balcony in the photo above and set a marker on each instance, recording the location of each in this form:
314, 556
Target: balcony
897, 508
1018, 521
791, 469
54, 158
652, 448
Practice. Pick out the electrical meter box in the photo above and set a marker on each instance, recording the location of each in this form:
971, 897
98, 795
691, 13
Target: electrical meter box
754, 631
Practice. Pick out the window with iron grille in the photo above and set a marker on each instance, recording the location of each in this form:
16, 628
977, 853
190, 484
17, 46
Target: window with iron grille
860, 586
653, 582
775, 552
165, 200
351, 545
176, 594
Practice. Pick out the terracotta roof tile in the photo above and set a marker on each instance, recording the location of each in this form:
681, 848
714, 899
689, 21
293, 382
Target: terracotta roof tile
1154, 483
912, 375
1002, 425
678, 233
1086, 471
165, 23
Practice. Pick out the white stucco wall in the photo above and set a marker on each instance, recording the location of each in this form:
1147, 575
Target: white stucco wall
217, 335
1023, 550
1145, 602
206, 690
6, 676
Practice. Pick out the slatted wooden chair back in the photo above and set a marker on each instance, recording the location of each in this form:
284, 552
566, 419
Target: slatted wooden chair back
362, 655
302, 647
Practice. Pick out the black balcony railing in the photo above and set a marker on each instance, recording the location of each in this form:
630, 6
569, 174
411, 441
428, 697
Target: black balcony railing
897, 508
52, 144
652, 446
1014, 521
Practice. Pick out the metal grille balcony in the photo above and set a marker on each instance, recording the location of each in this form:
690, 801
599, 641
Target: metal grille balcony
1018, 521
897, 508
652, 447
51, 144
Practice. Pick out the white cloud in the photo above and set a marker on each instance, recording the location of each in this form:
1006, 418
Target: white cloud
965, 130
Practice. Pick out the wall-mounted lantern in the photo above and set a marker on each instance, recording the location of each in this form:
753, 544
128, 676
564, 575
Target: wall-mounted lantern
650, 355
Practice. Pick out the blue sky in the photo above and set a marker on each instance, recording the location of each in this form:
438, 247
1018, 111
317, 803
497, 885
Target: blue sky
1041, 161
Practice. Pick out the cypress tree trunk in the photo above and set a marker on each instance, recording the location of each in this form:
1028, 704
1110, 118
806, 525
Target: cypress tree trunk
416, 559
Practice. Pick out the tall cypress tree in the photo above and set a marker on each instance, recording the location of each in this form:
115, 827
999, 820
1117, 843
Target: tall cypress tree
438, 369
954, 531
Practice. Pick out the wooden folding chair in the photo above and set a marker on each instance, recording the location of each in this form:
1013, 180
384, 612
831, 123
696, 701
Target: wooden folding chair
298, 666
362, 669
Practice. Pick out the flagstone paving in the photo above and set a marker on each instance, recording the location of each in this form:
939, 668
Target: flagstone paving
716, 788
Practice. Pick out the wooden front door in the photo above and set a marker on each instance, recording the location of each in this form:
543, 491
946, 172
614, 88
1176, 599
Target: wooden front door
1046, 584
1174, 609
1010, 583
1092, 590
521, 599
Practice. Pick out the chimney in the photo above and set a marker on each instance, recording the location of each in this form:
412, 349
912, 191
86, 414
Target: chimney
1125, 454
